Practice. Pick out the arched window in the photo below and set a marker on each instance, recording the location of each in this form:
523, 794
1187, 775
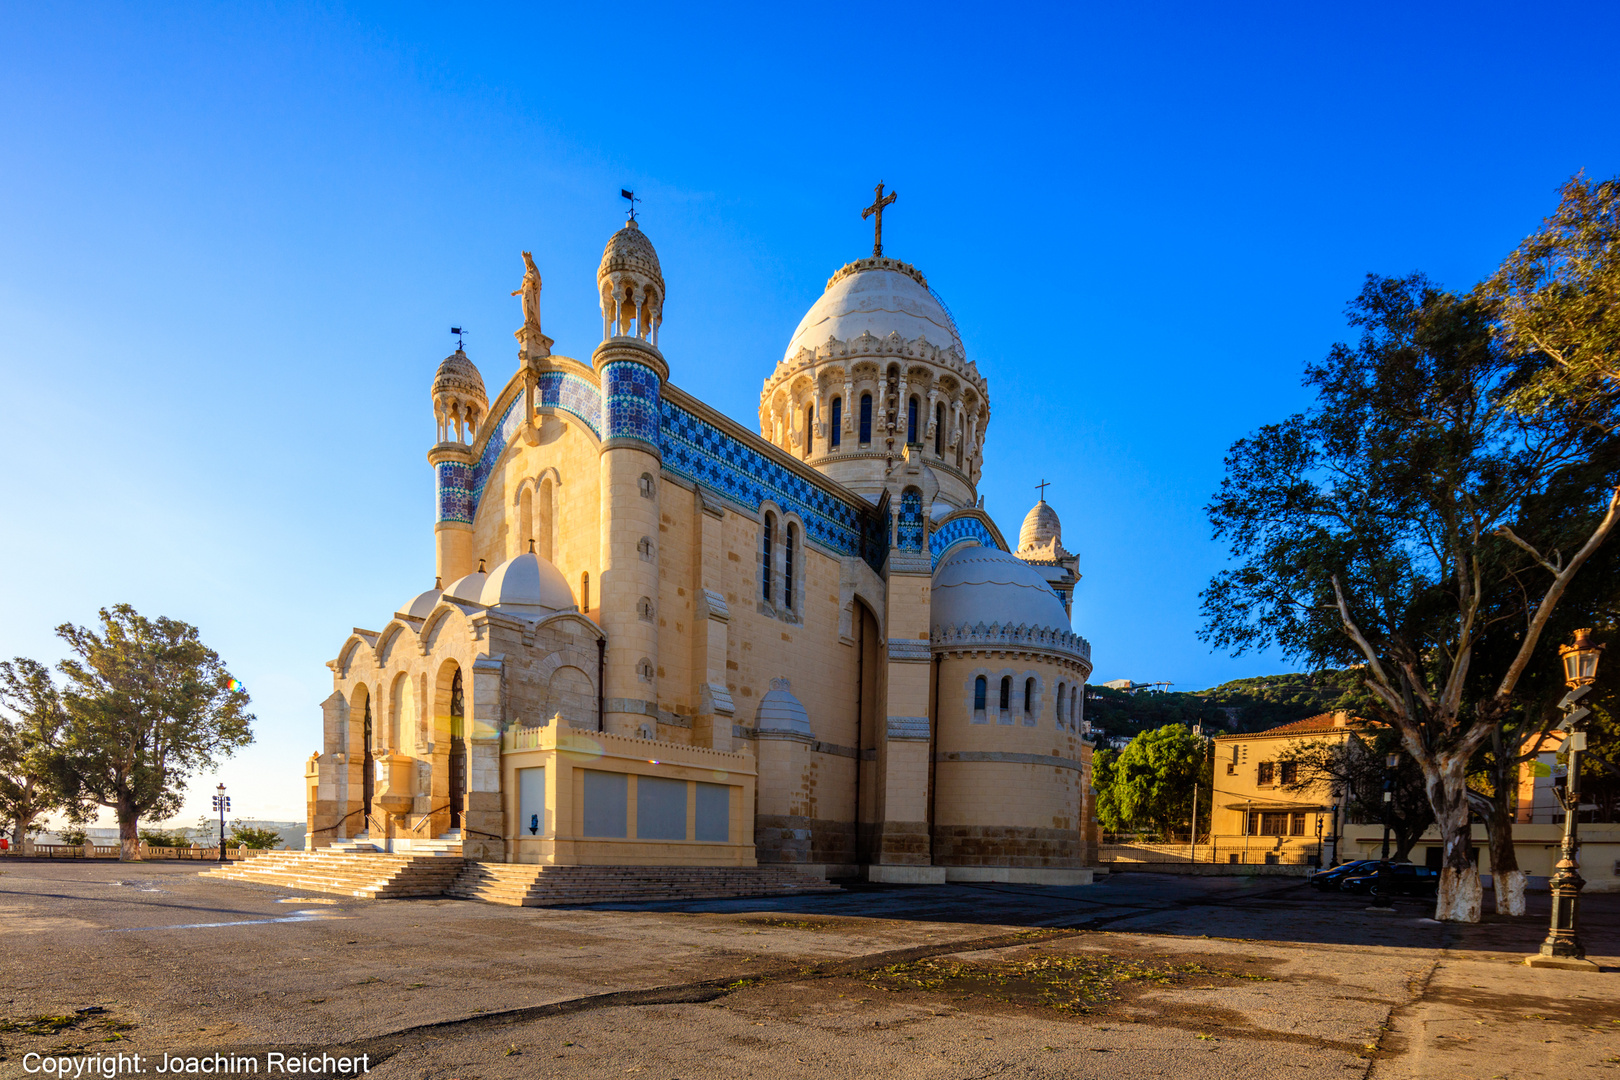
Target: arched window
1029, 701
584, 592
911, 420
835, 435
980, 687
787, 565
1006, 692
809, 428
765, 556
1061, 719
458, 748
1074, 709
866, 419
939, 429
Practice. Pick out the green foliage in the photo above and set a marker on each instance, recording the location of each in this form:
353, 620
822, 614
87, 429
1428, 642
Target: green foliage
31, 780
163, 838
1557, 299
144, 705
1354, 771
254, 838
1252, 704
1149, 785
75, 838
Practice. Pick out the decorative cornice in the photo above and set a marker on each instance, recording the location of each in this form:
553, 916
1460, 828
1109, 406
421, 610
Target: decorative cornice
876, 262
908, 649
1011, 638
908, 729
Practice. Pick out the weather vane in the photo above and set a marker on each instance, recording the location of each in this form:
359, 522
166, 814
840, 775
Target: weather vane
456, 330
628, 194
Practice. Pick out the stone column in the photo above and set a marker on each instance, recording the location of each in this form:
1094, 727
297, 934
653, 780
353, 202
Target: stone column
483, 821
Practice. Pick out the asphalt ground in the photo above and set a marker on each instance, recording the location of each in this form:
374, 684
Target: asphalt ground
1140, 975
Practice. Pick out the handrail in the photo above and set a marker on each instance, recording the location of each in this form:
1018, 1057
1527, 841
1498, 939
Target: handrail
427, 818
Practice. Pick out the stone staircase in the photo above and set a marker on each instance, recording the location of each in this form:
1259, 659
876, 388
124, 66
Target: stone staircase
352, 871
528, 885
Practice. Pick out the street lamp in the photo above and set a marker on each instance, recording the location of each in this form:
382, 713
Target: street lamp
1562, 947
222, 803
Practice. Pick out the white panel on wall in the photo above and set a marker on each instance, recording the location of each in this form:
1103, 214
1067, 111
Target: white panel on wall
660, 808
713, 813
607, 801
532, 802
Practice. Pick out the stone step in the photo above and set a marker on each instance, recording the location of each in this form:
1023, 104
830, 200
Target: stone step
543, 886
348, 873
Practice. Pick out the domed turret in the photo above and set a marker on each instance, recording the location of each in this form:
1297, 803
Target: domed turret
459, 400
1042, 534
631, 284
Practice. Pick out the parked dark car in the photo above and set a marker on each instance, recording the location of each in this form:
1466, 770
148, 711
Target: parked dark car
1400, 879
1330, 878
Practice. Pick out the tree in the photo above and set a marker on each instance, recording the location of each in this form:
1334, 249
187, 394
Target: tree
1150, 784
1354, 770
1386, 525
148, 705
30, 778
1557, 298
253, 838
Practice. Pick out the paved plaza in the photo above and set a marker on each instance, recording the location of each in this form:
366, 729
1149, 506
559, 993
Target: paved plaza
1140, 975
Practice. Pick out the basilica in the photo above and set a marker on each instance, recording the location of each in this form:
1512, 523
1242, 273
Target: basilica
658, 637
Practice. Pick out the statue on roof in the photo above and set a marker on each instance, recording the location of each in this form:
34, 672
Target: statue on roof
530, 291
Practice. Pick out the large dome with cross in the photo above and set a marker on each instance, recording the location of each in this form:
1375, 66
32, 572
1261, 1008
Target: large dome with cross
876, 296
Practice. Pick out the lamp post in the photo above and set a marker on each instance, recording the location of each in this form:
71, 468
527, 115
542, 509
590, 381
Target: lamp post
1562, 947
222, 803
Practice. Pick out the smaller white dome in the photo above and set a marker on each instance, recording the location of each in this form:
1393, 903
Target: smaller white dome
527, 585
1041, 528
422, 603
985, 584
779, 710
467, 588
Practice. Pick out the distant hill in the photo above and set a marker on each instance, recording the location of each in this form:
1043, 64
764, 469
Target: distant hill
1240, 705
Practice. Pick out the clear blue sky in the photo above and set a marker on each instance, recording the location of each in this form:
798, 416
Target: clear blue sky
231, 241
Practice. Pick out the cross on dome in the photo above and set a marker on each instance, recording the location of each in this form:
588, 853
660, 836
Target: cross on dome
877, 208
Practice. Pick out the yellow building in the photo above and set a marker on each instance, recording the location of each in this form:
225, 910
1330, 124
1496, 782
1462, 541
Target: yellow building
656, 637
1256, 820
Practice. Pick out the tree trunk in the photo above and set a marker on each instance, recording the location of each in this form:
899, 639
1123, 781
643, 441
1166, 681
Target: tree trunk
129, 840
19, 828
1460, 897
1506, 878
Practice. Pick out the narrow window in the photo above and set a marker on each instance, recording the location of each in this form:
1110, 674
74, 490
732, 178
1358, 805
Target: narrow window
836, 435
809, 428
765, 557
866, 419
911, 420
1074, 708
1029, 701
1060, 716
980, 688
939, 429
787, 564
584, 592
1006, 692
1267, 772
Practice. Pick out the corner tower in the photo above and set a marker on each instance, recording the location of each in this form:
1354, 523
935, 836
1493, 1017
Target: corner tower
632, 372
459, 405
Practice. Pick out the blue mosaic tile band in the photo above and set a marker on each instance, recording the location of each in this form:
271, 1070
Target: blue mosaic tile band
956, 530
455, 496
630, 398
700, 452
499, 439
911, 520
571, 394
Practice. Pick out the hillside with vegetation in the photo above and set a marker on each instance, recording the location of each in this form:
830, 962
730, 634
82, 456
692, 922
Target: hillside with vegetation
1240, 705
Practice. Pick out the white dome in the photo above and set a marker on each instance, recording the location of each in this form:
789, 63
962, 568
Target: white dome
422, 603
779, 710
527, 585
988, 585
877, 301
467, 588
